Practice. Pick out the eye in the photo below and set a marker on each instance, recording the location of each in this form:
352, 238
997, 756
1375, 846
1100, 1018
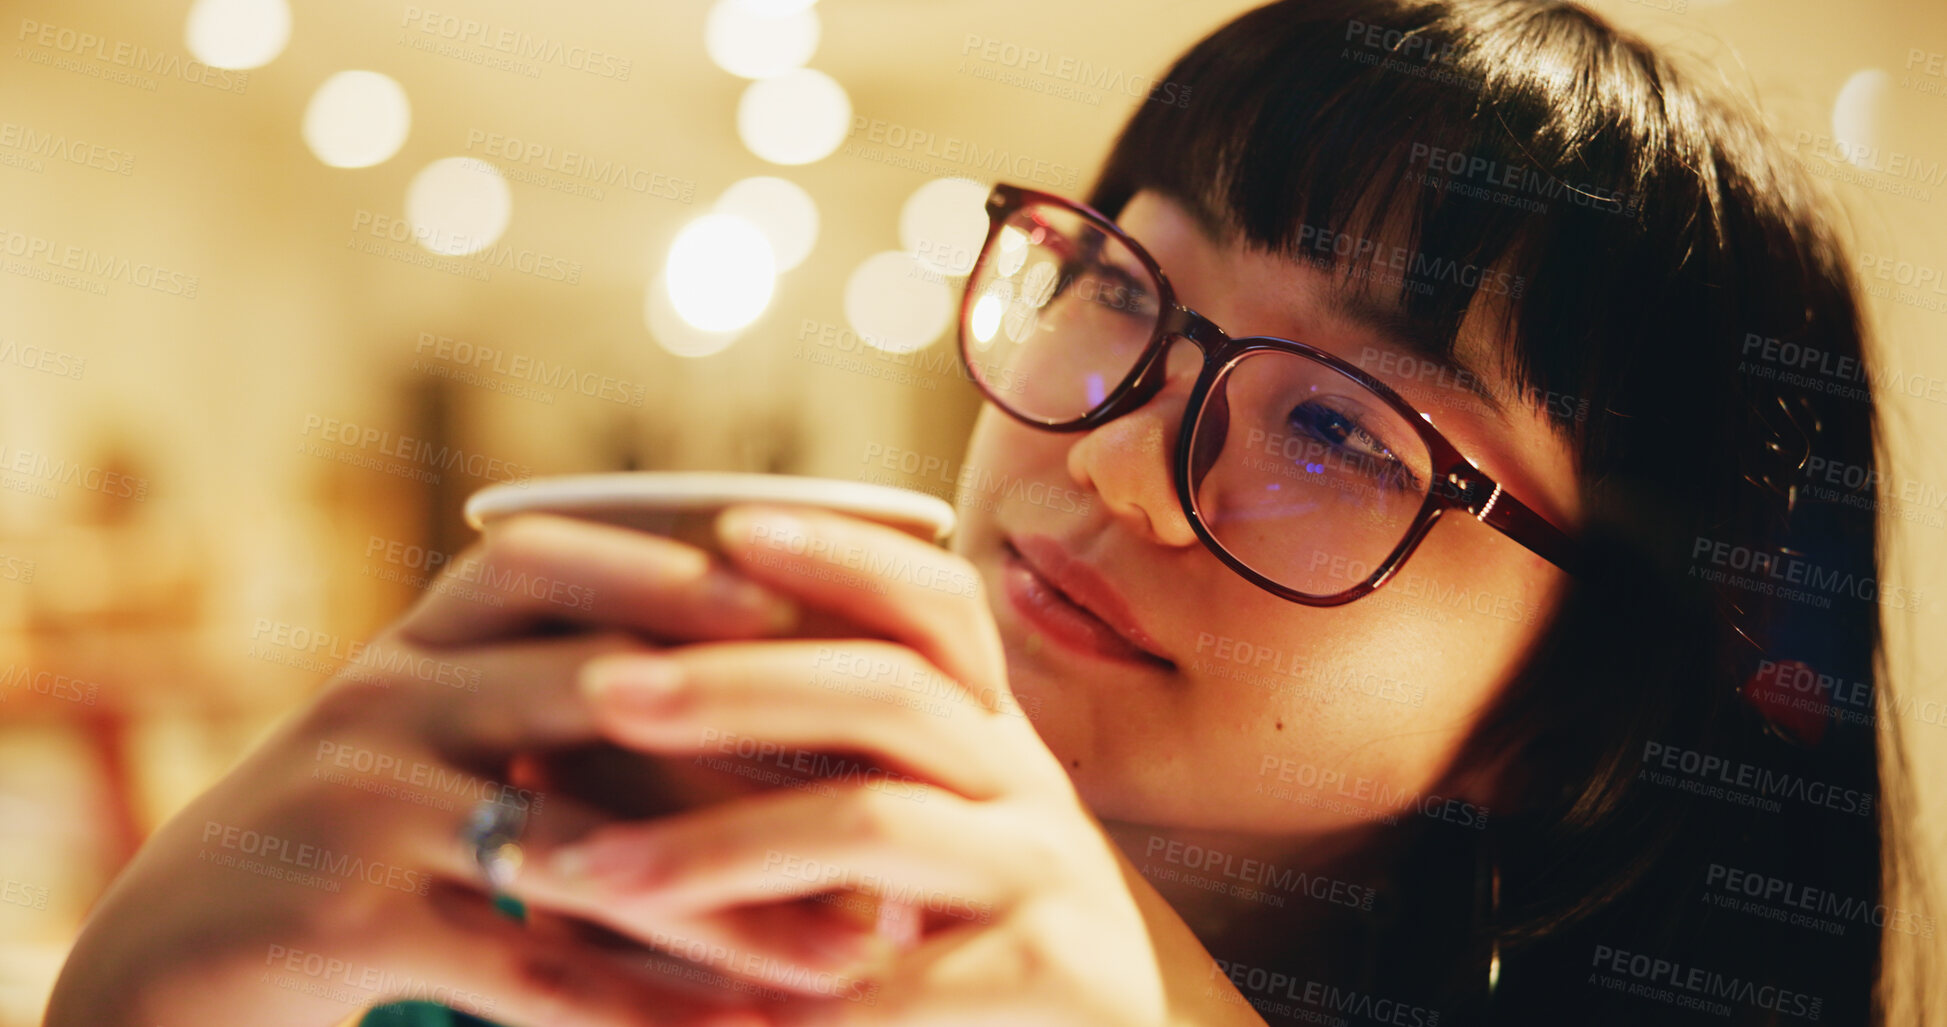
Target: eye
1353, 448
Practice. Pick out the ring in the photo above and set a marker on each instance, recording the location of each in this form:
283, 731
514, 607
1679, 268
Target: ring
493, 832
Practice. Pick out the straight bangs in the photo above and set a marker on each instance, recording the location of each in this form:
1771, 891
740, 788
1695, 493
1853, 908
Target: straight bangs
1414, 154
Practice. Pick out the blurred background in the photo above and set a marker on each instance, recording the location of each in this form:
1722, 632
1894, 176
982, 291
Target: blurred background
286, 281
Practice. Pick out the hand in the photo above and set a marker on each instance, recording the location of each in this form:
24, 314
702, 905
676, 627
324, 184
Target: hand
323, 873
946, 800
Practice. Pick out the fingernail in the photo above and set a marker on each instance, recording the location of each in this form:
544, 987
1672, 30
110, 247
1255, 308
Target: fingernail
763, 527
600, 860
645, 682
569, 864
848, 951
778, 614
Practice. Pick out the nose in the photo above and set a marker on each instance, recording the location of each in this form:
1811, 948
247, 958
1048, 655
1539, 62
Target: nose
1128, 461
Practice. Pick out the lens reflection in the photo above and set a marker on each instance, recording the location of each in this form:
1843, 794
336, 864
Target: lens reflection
1060, 310
1309, 477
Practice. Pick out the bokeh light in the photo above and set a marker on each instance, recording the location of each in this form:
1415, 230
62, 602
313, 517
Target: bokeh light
774, 8
1857, 112
783, 211
895, 303
721, 272
458, 205
943, 224
357, 119
674, 334
794, 118
238, 34
758, 44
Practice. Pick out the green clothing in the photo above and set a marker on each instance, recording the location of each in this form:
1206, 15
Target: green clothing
420, 1014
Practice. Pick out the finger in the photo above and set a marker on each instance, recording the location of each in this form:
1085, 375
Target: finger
458, 950
535, 568
777, 943
797, 948
1030, 969
784, 701
478, 705
955, 858
880, 577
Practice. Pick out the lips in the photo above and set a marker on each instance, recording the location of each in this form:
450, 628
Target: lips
1074, 604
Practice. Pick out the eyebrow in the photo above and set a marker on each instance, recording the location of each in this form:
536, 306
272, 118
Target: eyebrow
1416, 338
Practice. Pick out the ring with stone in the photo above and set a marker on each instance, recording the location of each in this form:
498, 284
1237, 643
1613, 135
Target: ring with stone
492, 831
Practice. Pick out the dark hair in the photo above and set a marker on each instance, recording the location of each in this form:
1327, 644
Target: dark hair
1662, 243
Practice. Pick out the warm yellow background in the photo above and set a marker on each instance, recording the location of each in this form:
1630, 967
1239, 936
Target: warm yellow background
155, 604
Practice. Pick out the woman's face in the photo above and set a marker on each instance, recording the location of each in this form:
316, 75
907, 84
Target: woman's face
1255, 714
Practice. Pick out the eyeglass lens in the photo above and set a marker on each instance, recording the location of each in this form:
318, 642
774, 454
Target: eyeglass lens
1300, 472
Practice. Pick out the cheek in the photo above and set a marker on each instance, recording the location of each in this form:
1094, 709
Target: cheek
1002, 450
1315, 720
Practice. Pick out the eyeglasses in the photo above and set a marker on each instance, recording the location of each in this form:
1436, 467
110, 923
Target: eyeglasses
1304, 474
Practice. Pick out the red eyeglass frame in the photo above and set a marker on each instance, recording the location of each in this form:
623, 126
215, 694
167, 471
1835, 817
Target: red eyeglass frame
1456, 483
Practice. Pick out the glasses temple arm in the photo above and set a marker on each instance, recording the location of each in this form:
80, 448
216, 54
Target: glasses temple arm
1513, 518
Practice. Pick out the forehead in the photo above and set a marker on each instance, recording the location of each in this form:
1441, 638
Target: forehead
1352, 311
